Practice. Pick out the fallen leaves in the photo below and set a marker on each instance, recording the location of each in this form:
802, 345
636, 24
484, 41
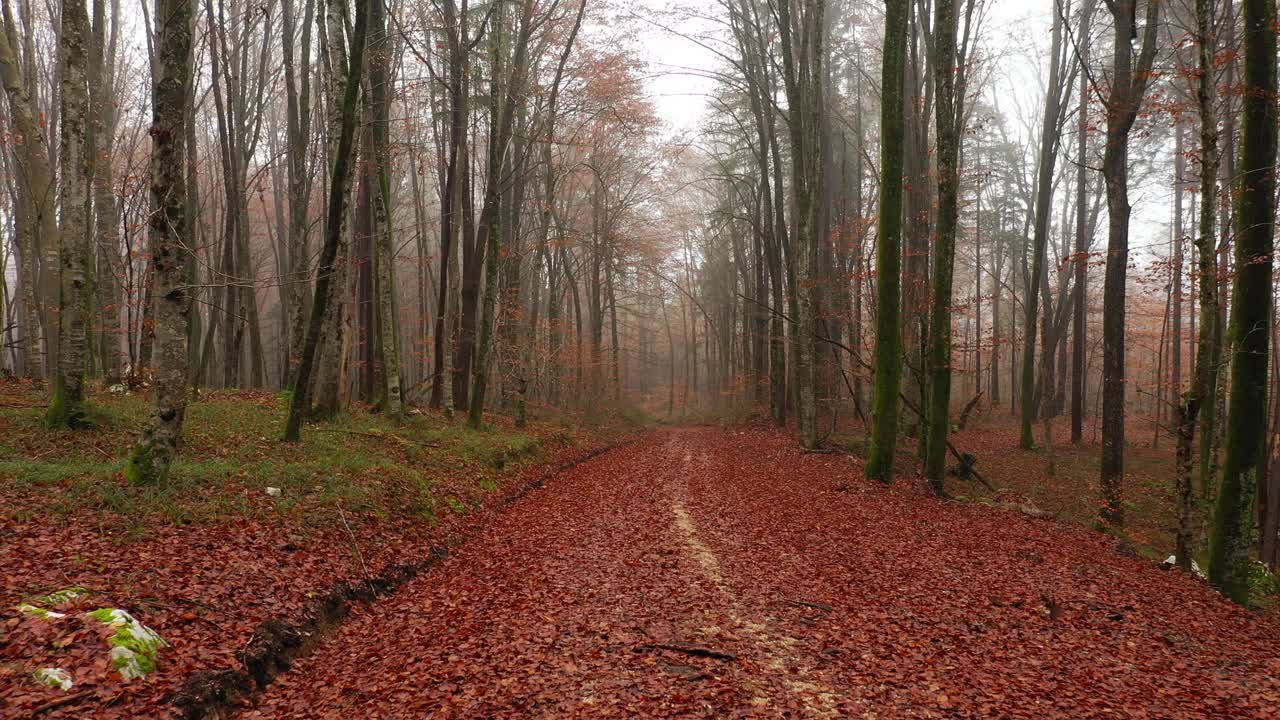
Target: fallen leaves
695, 573
205, 589
764, 595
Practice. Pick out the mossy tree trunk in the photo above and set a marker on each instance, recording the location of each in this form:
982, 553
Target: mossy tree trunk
329, 391
384, 259
888, 351
950, 66
950, 101
1234, 530
170, 231
66, 405
335, 220
1203, 374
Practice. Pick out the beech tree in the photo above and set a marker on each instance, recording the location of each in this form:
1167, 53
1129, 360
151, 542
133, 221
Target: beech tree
65, 405
950, 77
1055, 107
1234, 535
888, 350
1129, 78
170, 235
322, 308
39, 202
1199, 397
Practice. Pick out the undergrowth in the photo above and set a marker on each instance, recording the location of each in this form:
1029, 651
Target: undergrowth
232, 463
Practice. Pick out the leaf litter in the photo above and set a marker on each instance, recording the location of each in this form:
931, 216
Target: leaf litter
727, 574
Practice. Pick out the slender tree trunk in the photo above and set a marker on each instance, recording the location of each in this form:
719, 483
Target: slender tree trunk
384, 260
888, 352
1175, 297
451, 197
297, 72
339, 188
65, 407
170, 231
330, 392
39, 200
101, 85
917, 229
503, 98
950, 110
1080, 263
997, 268
803, 56
1128, 85
1050, 132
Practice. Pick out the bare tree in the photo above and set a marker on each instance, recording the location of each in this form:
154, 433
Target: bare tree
1129, 78
65, 406
170, 231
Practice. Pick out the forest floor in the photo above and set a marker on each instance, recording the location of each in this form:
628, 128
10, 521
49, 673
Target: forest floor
687, 572
724, 573
248, 532
1068, 491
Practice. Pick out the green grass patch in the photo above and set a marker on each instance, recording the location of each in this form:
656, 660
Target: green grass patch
231, 454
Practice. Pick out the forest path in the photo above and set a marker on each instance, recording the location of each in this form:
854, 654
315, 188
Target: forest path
709, 573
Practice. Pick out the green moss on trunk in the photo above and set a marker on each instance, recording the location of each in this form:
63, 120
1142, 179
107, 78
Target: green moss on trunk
1234, 530
888, 353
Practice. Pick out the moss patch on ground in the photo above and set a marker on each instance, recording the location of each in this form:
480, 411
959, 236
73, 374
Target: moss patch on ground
359, 462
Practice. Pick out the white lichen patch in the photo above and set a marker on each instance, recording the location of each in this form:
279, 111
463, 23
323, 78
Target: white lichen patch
1195, 567
134, 646
29, 609
54, 678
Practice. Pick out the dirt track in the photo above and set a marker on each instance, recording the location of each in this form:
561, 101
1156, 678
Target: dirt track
710, 573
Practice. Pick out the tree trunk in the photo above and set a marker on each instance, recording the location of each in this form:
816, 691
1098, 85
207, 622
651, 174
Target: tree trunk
328, 288
1234, 532
1050, 132
888, 351
451, 198
65, 407
950, 109
102, 100
298, 107
1128, 85
39, 200
803, 57
503, 103
170, 230
1080, 263
384, 260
